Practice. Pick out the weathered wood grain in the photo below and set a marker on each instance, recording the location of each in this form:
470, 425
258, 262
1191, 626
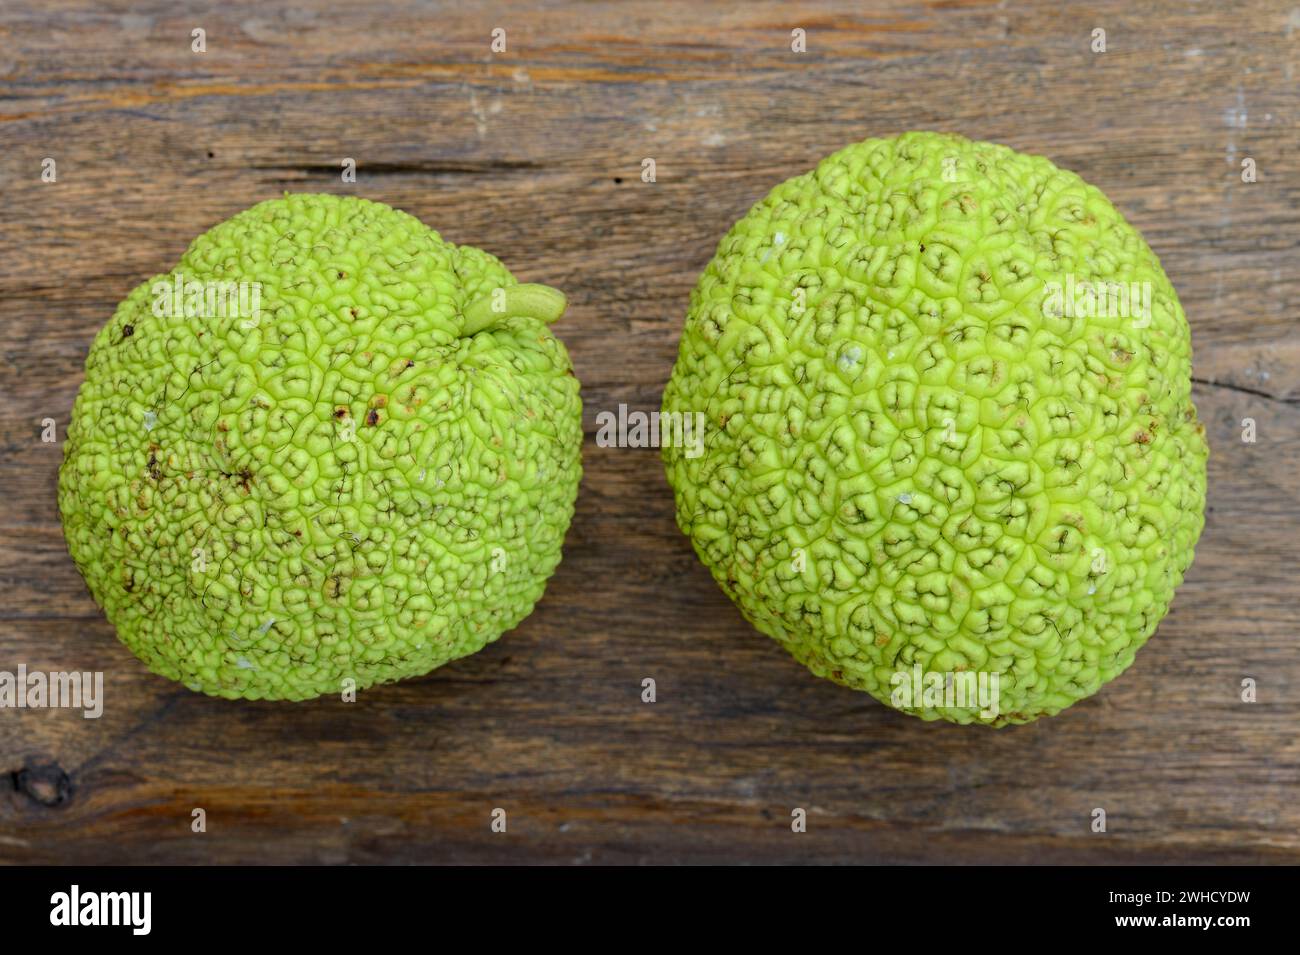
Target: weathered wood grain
536, 155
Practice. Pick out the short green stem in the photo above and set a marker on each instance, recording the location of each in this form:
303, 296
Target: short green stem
540, 302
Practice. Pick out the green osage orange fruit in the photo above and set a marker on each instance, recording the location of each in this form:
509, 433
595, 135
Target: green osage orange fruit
950, 442
328, 450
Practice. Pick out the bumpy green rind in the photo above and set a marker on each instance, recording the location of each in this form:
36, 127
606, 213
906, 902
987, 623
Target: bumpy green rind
921, 462
346, 489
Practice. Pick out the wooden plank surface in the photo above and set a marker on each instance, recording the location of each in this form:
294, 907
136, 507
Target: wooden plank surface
535, 154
